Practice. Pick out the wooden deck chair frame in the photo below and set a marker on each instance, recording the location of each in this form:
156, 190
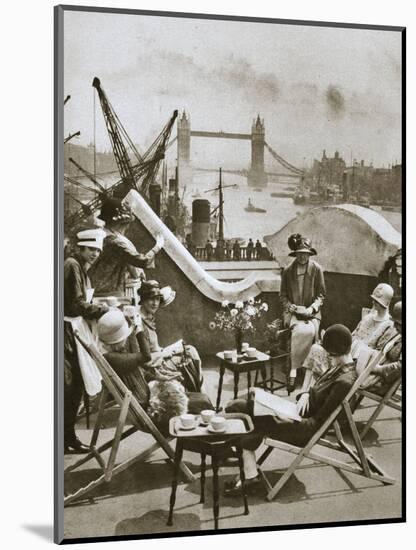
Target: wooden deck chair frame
122, 396
382, 400
364, 464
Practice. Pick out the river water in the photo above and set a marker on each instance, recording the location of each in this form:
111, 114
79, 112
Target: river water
238, 222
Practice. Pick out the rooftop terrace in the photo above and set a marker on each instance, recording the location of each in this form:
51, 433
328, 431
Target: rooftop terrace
137, 501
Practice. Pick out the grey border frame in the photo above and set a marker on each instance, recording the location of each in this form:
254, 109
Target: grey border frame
58, 525
58, 265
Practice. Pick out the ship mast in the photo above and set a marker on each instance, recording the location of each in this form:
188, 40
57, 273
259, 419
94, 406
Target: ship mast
220, 206
221, 209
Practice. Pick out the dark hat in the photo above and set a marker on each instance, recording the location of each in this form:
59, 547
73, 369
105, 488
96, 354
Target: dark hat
113, 210
297, 243
337, 340
149, 289
397, 312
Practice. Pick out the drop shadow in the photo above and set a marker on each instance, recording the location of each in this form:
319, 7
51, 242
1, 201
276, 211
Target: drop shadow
44, 532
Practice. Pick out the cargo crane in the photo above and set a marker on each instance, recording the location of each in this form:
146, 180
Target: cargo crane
151, 159
90, 176
115, 130
141, 175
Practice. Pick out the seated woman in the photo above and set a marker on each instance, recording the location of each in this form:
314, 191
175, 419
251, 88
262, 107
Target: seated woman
390, 341
386, 331
328, 392
374, 330
179, 358
302, 294
377, 319
160, 393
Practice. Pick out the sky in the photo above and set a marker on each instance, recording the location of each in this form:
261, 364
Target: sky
316, 88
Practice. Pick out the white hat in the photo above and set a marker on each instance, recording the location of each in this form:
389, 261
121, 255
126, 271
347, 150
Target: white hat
383, 294
112, 327
91, 237
168, 295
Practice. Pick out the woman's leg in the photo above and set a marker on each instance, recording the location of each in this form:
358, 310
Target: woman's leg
189, 365
315, 364
302, 338
192, 352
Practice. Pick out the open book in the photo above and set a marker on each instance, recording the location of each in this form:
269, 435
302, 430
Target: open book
267, 404
175, 348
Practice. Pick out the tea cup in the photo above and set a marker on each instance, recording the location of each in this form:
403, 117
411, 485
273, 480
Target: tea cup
187, 420
207, 415
251, 352
218, 423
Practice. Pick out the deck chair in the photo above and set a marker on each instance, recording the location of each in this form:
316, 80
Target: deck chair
364, 464
390, 399
129, 406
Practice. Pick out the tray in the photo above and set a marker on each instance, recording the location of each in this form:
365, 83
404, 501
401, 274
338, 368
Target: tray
243, 358
236, 423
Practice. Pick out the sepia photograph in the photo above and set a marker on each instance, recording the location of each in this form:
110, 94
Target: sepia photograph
228, 209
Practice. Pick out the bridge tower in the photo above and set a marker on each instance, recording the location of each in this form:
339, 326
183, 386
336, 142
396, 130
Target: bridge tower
184, 150
257, 176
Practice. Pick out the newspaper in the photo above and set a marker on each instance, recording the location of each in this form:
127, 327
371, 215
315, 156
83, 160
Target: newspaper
267, 404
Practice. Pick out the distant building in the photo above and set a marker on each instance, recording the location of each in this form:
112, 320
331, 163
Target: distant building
326, 176
357, 180
330, 179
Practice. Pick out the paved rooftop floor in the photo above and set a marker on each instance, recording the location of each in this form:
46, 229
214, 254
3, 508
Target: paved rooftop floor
137, 501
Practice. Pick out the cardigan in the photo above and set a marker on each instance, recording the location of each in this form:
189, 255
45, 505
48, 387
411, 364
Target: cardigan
313, 288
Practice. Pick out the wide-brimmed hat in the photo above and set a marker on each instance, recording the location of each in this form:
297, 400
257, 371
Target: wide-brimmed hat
149, 289
337, 340
383, 294
167, 296
297, 243
112, 327
113, 210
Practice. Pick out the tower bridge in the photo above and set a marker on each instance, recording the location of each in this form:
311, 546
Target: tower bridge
256, 174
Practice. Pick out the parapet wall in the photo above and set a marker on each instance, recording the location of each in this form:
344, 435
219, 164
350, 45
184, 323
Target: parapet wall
198, 294
352, 252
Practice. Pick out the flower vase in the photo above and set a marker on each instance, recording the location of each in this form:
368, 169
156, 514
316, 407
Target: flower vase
239, 341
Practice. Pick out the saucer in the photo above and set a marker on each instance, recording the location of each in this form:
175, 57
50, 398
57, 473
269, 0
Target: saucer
188, 428
213, 431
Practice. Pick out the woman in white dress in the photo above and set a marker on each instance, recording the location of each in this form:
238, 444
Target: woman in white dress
177, 360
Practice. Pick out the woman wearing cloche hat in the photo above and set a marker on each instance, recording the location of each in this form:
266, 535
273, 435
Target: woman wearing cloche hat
378, 318
323, 398
302, 294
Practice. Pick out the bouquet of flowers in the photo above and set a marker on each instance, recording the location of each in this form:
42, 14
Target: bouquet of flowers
238, 317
